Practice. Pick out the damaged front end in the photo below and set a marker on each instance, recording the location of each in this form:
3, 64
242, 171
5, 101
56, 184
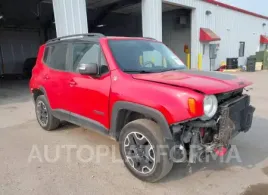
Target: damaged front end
199, 137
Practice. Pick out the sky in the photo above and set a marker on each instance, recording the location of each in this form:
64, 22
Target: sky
258, 6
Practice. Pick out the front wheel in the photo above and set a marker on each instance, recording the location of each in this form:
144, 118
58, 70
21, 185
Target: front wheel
144, 151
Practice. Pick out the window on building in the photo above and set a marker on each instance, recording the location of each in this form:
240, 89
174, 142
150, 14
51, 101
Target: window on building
241, 49
58, 56
85, 53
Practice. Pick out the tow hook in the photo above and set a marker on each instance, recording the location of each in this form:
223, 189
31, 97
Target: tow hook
195, 147
222, 151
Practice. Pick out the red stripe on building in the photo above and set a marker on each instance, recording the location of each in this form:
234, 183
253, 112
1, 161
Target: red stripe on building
236, 9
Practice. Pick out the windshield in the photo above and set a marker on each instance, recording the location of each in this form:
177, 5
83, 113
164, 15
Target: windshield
144, 56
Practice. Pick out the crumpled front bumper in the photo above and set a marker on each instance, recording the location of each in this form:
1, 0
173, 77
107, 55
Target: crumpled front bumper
236, 116
233, 116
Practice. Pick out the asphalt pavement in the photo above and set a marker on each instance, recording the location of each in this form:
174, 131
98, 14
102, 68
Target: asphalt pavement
73, 160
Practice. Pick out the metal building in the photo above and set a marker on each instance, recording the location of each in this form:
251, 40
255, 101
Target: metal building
196, 24
232, 25
200, 27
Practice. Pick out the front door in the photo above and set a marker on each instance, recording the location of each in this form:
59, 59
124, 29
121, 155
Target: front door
90, 94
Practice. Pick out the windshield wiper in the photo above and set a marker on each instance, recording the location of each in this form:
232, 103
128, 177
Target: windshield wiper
172, 69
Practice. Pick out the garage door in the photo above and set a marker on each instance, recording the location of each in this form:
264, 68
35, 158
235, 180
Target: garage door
15, 47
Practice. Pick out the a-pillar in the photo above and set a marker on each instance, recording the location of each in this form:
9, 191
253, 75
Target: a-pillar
152, 19
70, 17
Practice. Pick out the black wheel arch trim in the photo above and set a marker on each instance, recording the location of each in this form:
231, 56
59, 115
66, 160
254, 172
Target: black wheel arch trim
145, 110
43, 90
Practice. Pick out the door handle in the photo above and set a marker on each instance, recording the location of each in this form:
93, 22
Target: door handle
46, 77
72, 83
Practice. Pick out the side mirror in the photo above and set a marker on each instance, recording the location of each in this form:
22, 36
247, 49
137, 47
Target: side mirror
88, 69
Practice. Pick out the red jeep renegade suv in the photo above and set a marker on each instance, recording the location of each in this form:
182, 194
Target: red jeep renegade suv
139, 92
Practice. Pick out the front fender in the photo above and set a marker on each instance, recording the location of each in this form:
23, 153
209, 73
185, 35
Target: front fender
147, 111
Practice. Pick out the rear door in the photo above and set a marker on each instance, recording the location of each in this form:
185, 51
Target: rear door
57, 76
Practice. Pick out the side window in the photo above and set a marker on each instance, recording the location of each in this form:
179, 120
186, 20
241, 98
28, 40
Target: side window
84, 53
58, 56
45, 57
241, 49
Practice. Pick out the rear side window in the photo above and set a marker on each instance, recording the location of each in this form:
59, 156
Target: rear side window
58, 56
84, 53
45, 58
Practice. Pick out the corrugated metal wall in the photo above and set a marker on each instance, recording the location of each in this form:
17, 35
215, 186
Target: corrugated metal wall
230, 25
121, 25
16, 47
70, 17
152, 19
187, 3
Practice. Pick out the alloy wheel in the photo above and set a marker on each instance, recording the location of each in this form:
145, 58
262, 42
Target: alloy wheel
139, 152
42, 113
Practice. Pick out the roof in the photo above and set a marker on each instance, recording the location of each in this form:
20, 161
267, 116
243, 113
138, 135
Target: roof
236, 9
94, 37
129, 38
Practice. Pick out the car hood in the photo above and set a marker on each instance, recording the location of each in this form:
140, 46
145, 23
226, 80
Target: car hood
208, 82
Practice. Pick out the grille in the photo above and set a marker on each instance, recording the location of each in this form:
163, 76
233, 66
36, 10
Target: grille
236, 115
229, 95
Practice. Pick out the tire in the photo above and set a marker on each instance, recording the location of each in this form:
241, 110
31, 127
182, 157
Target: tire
52, 123
152, 132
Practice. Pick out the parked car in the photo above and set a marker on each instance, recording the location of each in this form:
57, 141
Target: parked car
28, 67
139, 92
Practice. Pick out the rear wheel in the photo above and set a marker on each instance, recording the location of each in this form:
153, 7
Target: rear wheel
44, 116
144, 151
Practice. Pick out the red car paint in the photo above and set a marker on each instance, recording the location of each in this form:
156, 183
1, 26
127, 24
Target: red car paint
166, 92
205, 84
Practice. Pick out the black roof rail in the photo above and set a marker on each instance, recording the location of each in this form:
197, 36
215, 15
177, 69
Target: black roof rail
97, 35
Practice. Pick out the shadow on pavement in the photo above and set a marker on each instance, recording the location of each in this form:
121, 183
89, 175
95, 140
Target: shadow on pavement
258, 189
14, 91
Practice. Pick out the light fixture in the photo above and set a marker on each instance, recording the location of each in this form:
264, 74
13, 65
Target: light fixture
1, 17
208, 12
101, 25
